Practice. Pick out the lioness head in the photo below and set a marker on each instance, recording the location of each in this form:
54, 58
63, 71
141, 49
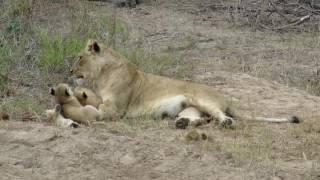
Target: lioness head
89, 63
62, 93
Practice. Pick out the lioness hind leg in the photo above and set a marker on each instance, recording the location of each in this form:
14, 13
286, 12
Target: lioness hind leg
191, 116
215, 113
182, 122
223, 119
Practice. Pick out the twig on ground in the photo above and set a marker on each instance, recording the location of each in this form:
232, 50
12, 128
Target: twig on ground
297, 22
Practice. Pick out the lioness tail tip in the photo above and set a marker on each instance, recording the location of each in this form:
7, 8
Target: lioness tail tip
294, 119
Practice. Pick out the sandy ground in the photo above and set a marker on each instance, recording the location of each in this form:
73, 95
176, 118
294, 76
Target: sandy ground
148, 149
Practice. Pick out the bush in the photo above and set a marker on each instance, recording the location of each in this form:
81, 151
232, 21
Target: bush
54, 50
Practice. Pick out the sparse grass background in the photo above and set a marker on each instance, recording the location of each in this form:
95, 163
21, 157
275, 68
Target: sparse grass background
285, 58
37, 47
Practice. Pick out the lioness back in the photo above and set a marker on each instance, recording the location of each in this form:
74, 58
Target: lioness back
161, 94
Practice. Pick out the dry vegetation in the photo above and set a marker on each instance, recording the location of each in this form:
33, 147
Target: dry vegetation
266, 71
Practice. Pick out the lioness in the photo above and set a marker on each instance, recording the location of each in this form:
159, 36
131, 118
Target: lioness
87, 97
125, 90
71, 107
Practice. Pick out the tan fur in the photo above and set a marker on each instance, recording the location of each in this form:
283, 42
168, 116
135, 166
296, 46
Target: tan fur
191, 116
125, 90
54, 115
87, 97
72, 108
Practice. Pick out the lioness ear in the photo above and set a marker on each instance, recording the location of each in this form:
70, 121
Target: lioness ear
93, 46
84, 95
52, 92
67, 92
96, 47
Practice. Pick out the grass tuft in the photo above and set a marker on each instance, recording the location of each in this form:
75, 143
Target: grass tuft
21, 105
54, 49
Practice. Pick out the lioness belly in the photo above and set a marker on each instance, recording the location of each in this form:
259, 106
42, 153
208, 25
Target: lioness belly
191, 112
170, 106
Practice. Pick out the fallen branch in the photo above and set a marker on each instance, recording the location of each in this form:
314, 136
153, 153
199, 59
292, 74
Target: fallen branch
295, 23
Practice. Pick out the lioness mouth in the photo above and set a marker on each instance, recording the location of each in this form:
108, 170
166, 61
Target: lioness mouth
79, 80
80, 77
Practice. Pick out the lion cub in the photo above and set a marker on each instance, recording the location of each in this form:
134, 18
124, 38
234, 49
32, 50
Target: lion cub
87, 97
71, 107
55, 116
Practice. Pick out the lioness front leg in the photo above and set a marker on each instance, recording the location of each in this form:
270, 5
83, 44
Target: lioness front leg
108, 111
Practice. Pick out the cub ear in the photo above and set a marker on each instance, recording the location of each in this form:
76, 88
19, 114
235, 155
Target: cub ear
84, 95
52, 92
93, 46
67, 92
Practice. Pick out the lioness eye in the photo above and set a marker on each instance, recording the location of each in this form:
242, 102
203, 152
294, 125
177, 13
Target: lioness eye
81, 62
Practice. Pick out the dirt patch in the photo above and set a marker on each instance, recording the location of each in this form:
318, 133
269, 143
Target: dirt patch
207, 37
40, 151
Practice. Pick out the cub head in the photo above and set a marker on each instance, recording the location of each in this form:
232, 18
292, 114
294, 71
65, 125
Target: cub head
82, 95
52, 114
87, 97
89, 62
62, 93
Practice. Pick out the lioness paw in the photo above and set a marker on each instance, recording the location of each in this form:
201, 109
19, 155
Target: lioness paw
74, 125
227, 122
182, 123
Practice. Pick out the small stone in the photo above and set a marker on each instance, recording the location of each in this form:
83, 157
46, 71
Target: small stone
4, 116
193, 135
128, 159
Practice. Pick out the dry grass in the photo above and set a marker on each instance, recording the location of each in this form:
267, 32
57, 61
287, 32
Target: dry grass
45, 45
289, 58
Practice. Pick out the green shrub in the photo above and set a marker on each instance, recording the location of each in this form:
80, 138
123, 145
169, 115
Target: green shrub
54, 49
5, 51
148, 62
14, 8
157, 64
